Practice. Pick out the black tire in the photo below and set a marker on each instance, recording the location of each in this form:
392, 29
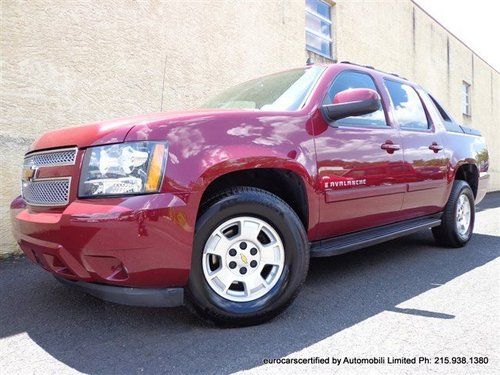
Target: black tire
238, 201
447, 233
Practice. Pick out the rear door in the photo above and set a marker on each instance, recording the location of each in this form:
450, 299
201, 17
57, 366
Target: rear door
424, 152
360, 165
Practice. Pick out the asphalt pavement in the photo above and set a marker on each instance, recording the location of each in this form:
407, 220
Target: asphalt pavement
407, 298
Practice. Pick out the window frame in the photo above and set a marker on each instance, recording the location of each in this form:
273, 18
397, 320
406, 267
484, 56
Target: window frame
444, 115
338, 124
430, 124
466, 99
319, 35
449, 124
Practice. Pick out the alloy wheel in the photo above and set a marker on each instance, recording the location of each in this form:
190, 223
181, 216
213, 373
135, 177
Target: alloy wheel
243, 259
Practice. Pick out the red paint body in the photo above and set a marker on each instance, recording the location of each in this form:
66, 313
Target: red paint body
151, 236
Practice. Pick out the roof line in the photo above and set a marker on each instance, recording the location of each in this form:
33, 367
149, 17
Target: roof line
373, 68
453, 35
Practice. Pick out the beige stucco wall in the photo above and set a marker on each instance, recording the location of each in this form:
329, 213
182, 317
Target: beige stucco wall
399, 37
68, 62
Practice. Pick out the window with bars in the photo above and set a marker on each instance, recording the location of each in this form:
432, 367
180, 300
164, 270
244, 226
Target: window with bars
319, 27
466, 98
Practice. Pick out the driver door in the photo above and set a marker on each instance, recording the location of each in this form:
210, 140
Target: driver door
360, 165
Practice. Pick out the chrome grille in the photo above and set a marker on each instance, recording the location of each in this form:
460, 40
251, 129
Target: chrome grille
51, 158
47, 192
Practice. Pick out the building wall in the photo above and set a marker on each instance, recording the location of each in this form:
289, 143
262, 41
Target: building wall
399, 37
68, 62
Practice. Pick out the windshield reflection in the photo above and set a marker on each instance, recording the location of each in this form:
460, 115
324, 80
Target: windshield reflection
285, 91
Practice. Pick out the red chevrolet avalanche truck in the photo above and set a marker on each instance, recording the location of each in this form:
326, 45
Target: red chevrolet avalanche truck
220, 208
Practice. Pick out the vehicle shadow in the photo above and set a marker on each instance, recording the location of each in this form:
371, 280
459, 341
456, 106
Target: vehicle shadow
491, 201
102, 338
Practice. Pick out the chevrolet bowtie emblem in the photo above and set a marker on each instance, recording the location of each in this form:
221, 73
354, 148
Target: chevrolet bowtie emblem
29, 173
244, 258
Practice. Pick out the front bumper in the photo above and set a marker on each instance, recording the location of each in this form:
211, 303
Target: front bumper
147, 297
139, 241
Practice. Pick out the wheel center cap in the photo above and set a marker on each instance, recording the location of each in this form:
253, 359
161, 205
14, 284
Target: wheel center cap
244, 258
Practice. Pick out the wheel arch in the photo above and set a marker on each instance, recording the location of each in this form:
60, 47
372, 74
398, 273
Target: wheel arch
291, 184
469, 173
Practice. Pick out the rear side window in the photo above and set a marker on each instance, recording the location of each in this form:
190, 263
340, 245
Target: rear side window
356, 80
449, 124
408, 107
442, 112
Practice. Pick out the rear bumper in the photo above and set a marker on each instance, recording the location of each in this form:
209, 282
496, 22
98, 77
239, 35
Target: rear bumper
148, 297
139, 241
483, 185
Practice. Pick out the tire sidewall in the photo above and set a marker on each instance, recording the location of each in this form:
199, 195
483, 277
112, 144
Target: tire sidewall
289, 228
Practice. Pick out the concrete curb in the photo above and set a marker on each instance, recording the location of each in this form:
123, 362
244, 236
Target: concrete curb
12, 255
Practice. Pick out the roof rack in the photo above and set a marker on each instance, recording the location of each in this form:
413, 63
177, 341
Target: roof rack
364, 66
371, 67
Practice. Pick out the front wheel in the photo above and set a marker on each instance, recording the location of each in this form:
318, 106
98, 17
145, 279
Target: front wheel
250, 258
458, 217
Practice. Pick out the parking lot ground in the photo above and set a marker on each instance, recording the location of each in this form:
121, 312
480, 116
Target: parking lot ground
405, 298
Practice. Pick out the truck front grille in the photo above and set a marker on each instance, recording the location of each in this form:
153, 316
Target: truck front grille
47, 191
51, 158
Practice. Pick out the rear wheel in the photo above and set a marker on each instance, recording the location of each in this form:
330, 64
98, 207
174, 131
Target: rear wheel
458, 217
250, 258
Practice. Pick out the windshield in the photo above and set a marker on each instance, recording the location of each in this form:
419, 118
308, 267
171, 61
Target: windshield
284, 91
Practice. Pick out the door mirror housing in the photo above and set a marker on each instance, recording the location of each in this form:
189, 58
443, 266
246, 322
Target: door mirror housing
352, 102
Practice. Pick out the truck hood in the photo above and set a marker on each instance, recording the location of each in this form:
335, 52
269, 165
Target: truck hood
111, 131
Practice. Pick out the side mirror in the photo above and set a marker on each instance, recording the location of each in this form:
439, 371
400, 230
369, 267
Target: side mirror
352, 102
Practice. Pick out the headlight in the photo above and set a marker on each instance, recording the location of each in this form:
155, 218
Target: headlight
125, 168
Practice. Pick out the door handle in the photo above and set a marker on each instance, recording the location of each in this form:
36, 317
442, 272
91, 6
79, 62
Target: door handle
435, 147
390, 147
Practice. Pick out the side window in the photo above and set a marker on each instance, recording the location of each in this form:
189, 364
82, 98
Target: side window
442, 112
355, 80
408, 107
448, 122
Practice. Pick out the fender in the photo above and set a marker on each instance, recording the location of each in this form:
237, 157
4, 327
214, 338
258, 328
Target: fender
471, 150
235, 160
465, 149
205, 146
238, 158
